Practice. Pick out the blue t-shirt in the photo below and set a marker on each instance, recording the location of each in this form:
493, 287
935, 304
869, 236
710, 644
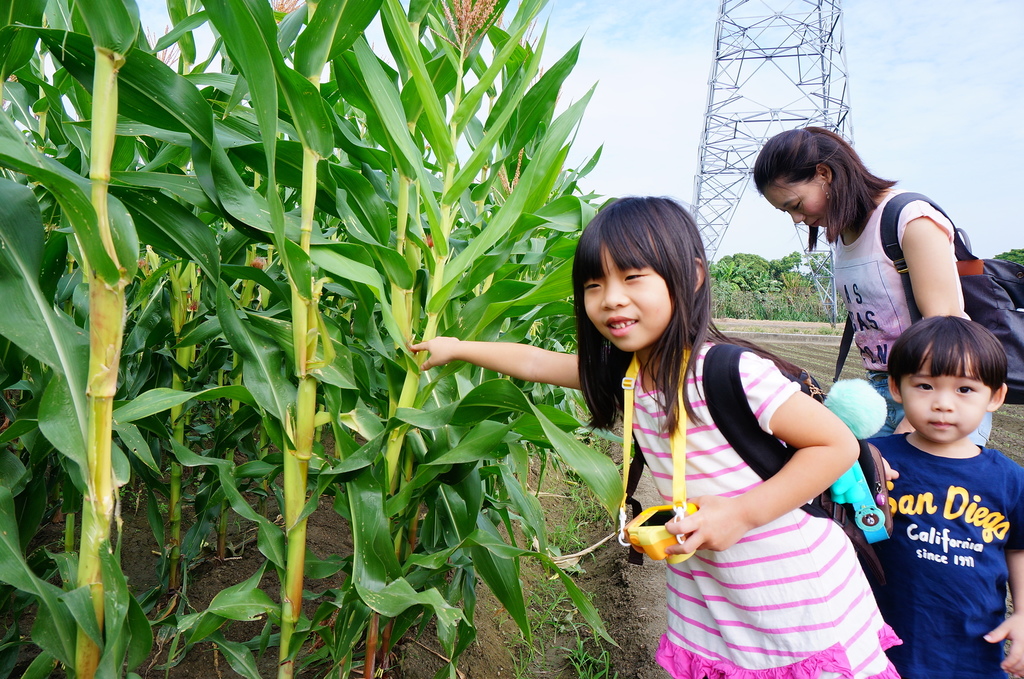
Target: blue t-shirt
945, 564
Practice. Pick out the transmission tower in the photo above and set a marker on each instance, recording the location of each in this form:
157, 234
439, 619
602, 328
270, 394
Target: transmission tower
779, 64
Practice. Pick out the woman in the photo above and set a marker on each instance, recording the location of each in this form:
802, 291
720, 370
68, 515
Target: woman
816, 176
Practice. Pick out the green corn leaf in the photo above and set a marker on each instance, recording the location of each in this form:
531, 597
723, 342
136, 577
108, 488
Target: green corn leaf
398, 596
263, 362
41, 667
30, 320
508, 299
18, 44
181, 28
250, 35
388, 107
471, 102
487, 538
487, 398
184, 187
149, 91
126, 239
54, 631
309, 114
221, 180
582, 602
344, 268
167, 225
356, 15
13, 473
427, 419
299, 268
596, 470
334, 27
238, 656
113, 24
132, 439
367, 206
71, 191
501, 574
538, 105
478, 444
270, 539
56, 410
520, 200
481, 155
199, 626
121, 619
526, 505
244, 601
436, 132
141, 634
374, 563
161, 399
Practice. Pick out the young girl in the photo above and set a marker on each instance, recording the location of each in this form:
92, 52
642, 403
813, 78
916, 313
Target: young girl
958, 510
770, 591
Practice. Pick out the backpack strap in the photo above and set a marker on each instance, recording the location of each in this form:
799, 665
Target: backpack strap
730, 410
723, 393
891, 245
844, 347
889, 234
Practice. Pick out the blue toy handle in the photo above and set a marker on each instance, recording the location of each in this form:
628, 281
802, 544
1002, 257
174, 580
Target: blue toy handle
852, 488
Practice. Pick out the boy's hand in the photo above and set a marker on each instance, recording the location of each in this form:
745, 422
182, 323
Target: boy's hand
1013, 629
890, 473
443, 350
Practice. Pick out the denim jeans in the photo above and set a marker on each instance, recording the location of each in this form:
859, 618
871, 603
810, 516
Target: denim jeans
880, 381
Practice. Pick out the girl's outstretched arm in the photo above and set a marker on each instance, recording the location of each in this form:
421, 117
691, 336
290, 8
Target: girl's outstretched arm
826, 448
521, 361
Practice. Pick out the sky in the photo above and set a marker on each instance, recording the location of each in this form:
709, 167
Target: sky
936, 95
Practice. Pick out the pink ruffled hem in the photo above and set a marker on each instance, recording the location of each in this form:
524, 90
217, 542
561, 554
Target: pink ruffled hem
683, 664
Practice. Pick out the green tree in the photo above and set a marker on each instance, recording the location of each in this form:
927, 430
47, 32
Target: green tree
1016, 255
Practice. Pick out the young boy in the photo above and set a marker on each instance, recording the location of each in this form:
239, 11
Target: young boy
958, 510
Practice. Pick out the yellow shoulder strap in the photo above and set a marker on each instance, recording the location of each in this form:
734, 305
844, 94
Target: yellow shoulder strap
677, 444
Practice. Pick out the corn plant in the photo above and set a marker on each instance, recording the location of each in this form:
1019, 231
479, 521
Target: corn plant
402, 194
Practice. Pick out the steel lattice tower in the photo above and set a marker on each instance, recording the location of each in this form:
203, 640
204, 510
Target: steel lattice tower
779, 64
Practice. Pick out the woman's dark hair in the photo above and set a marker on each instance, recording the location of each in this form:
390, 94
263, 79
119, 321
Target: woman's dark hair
794, 156
951, 346
639, 232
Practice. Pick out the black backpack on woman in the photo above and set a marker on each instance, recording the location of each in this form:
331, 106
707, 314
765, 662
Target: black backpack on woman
993, 293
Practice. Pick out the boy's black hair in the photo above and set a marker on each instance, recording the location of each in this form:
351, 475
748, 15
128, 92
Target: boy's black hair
640, 232
951, 346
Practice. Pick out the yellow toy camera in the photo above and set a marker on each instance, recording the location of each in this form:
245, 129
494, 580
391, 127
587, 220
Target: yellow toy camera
647, 532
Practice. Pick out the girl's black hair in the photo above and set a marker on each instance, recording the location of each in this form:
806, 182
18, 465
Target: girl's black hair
794, 156
639, 232
951, 346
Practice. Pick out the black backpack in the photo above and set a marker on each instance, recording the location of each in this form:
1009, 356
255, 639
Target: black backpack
766, 455
993, 293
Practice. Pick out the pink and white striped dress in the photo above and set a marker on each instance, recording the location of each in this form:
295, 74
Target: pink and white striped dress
789, 600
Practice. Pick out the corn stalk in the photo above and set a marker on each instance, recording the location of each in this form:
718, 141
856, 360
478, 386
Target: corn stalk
106, 303
185, 292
